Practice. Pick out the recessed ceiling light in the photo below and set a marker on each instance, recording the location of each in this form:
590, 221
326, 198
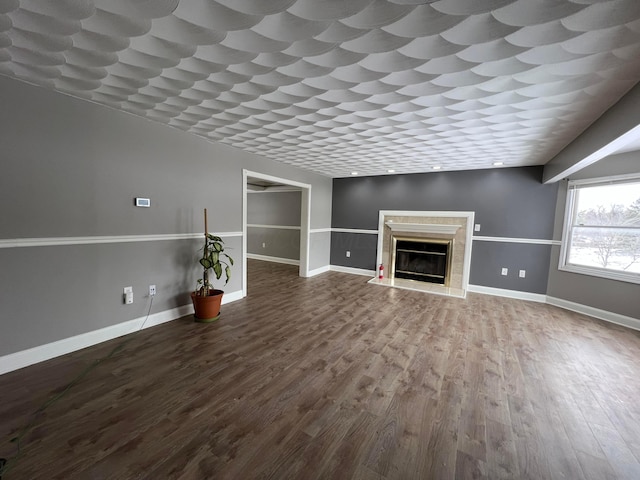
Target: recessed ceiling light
391, 170
436, 167
354, 173
498, 164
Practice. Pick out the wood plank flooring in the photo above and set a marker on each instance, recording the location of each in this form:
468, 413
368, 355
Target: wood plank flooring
332, 378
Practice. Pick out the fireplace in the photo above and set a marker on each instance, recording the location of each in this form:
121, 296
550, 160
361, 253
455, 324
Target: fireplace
422, 260
428, 251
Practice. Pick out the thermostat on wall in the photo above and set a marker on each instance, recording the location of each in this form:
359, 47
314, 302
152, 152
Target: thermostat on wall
143, 202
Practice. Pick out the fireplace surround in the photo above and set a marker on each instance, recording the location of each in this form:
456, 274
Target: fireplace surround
452, 229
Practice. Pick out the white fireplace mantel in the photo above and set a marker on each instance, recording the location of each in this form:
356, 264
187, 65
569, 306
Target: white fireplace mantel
422, 228
447, 224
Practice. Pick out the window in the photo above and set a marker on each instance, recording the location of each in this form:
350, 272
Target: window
602, 229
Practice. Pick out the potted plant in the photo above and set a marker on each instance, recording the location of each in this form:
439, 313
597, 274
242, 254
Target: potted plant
207, 299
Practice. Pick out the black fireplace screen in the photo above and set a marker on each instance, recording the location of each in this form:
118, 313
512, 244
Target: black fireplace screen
422, 261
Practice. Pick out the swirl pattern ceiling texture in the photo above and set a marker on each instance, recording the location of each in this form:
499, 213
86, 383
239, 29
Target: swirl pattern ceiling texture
334, 86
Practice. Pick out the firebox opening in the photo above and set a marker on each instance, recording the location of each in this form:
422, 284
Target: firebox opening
421, 260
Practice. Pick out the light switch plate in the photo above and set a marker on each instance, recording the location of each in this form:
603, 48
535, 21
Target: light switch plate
128, 295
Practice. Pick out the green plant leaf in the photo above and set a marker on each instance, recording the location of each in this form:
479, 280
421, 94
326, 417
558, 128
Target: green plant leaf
229, 258
214, 238
214, 257
218, 246
217, 268
227, 272
205, 262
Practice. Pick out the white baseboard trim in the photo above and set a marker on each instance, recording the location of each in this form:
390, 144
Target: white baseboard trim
503, 292
616, 318
267, 258
228, 298
318, 271
24, 358
354, 271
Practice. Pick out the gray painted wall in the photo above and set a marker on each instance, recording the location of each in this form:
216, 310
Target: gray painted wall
361, 247
488, 259
610, 295
72, 168
54, 292
621, 164
274, 208
277, 209
279, 243
508, 202
319, 250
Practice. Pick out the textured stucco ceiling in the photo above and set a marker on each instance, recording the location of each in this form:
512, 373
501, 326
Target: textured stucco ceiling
336, 86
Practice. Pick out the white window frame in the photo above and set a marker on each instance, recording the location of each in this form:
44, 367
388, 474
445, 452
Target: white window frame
569, 213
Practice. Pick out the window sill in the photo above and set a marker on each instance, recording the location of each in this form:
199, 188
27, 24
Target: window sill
602, 273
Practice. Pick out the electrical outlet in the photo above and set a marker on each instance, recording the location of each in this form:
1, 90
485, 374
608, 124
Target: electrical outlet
522, 273
128, 295
476, 227
152, 290
348, 254
505, 271
264, 245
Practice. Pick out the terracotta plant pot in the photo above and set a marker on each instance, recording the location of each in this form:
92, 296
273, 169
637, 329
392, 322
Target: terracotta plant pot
207, 309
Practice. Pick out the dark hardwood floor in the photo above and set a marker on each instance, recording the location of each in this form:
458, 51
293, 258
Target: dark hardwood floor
332, 378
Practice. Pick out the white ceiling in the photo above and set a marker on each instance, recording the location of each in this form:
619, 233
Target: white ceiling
336, 86
261, 185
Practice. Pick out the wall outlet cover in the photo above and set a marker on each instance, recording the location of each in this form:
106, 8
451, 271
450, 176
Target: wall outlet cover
505, 271
128, 295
